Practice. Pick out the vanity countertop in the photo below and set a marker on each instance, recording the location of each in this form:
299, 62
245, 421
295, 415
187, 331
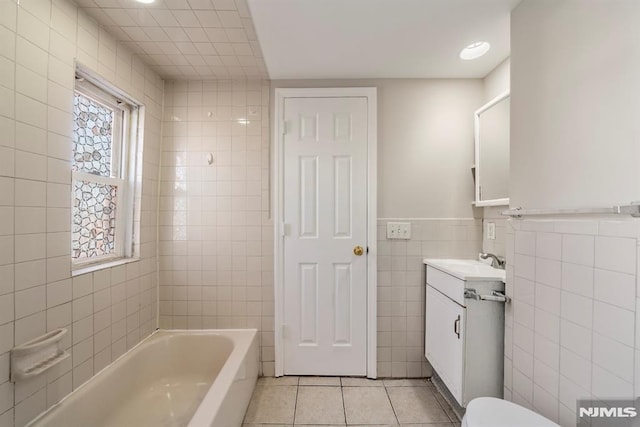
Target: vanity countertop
466, 269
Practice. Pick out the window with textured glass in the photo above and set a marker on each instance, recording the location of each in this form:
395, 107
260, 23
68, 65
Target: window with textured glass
101, 220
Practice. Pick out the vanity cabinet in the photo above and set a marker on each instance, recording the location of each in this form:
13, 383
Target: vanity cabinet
464, 335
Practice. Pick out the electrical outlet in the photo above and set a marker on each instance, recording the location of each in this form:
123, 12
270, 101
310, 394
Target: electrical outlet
491, 231
398, 230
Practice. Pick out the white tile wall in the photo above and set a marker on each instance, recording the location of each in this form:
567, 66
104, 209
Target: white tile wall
38, 44
583, 315
401, 287
216, 237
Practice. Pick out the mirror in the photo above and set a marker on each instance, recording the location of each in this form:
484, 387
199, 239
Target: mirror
492, 152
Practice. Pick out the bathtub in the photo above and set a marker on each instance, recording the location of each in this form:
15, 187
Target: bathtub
172, 378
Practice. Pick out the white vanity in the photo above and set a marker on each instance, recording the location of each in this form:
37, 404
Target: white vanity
464, 334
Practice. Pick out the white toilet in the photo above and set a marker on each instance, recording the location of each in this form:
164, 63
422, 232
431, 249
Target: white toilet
492, 412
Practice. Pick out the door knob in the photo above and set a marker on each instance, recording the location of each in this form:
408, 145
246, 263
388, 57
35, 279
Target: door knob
358, 250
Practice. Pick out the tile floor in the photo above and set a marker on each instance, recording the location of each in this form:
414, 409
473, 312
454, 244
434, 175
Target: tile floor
318, 401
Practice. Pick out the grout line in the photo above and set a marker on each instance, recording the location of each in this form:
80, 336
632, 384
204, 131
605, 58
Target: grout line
390, 403
344, 407
295, 405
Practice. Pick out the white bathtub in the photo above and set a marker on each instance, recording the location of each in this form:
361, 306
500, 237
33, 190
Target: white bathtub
172, 378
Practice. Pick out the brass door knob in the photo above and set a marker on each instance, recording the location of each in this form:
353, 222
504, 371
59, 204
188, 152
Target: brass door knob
358, 250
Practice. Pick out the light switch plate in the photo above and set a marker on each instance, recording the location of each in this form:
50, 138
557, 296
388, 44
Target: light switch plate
398, 230
491, 231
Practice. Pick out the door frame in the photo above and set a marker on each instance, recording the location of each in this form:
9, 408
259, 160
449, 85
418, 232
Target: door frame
370, 93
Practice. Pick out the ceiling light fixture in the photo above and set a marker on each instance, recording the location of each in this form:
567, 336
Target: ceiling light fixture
474, 50
145, 1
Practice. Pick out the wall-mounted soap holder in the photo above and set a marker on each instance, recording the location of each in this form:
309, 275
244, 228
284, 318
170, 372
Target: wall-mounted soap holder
36, 356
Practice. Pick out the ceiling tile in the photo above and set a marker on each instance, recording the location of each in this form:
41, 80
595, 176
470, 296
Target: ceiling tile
177, 4
230, 19
224, 5
164, 18
187, 48
243, 8
229, 60
208, 19
242, 49
237, 35
169, 48
107, 3
142, 17
176, 34
216, 35
196, 34
120, 17
136, 34
185, 38
205, 48
186, 18
200, 4
156, 34
213, 60
224, 49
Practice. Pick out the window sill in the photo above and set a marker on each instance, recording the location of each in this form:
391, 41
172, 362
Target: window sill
101, 266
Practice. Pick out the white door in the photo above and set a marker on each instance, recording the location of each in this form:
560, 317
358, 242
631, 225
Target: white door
444, 339
325, 216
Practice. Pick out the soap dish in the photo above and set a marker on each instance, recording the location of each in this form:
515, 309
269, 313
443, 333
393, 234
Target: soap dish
36, 356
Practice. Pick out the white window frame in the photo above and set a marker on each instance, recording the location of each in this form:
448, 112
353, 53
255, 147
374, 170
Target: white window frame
123, 164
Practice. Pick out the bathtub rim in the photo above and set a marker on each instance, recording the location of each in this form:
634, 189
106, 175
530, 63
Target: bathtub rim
145, 341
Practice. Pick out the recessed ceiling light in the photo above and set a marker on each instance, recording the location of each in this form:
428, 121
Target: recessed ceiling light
475, 50
145, 1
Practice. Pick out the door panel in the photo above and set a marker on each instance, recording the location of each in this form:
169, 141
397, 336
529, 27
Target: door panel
325, 211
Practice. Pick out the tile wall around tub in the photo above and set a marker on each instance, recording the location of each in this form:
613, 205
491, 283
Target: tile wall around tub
106, 312
401, 288
216, 237
573, 327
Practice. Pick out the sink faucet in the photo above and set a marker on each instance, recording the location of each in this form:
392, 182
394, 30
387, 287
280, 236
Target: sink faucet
496, 261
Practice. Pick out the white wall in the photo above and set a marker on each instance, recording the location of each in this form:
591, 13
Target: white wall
425, 144
575, 133
498, 80
106, 312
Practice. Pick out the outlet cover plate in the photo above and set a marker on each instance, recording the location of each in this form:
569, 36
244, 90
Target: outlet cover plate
399, 230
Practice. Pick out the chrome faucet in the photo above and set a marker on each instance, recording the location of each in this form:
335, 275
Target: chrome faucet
496, 261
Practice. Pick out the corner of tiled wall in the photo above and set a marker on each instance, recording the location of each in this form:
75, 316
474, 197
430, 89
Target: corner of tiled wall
106, 312
401, 288
216, 235
572, 327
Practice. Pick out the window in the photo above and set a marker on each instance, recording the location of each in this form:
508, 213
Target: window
103, 170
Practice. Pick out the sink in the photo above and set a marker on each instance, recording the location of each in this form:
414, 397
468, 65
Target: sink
467, 269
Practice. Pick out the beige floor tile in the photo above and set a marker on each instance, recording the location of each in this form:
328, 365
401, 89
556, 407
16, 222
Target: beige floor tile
409, 382
367, 405
361, 382
327, 381
416, 405
278, 381
319, 405
272, 404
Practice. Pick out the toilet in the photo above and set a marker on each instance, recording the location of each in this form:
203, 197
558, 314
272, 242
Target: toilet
492, 412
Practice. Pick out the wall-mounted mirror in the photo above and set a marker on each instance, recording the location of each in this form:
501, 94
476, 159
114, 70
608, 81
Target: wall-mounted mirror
492, 152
